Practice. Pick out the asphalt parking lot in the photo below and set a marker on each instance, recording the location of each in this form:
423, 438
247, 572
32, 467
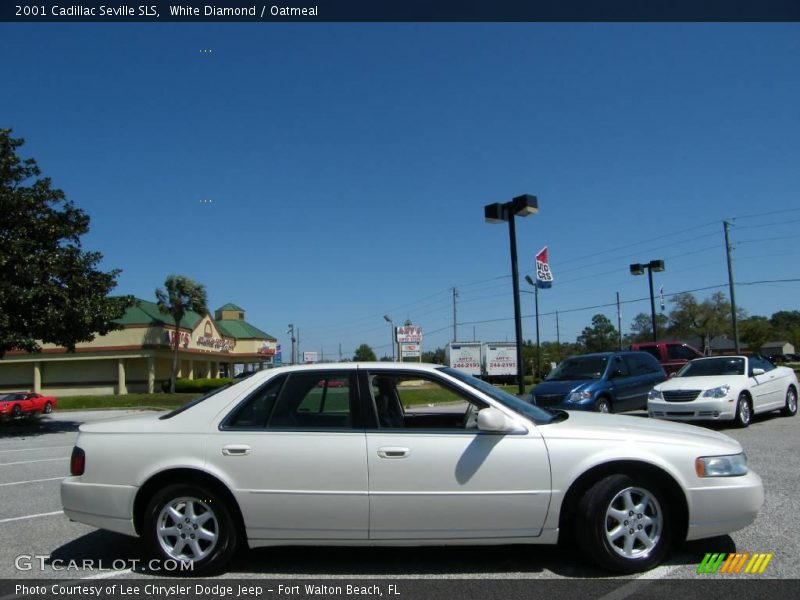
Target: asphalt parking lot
34, 458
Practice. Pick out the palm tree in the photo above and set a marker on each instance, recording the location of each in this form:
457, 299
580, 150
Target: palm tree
182, 295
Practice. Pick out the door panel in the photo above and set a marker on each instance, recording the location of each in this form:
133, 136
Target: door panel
447, 485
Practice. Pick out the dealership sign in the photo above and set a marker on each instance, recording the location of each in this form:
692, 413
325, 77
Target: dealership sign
410, 350
309, 357
409, 334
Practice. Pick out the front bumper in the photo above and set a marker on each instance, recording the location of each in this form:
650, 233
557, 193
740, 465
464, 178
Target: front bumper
724, 505
715, 409
104, 506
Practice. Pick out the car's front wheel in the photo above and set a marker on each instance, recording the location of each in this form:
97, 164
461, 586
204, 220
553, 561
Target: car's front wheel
48, 408
603, 405
744, 412
623, 524
191, 525
790, 409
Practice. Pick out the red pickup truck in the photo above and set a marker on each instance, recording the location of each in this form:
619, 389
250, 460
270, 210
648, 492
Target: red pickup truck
671, 355
15, 405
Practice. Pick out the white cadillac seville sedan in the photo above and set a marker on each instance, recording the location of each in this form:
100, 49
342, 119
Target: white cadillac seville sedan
400, 454
721, 388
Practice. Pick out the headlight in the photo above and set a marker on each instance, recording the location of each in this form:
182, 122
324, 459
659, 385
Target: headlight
655, 395
717, 392
578, 396
733, 465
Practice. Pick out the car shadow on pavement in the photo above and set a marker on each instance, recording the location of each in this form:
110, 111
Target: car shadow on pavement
36, 427
99, 548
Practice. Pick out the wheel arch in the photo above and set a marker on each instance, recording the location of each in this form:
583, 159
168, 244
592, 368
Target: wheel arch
676, 497
188, 476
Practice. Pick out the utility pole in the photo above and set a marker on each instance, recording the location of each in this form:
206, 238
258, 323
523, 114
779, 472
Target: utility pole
558, 336
298, 345
455, 333
291, 333
340, 351
726, 227
619, 322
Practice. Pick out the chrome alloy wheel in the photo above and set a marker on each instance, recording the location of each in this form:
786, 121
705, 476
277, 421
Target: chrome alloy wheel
188, 529
791, 401
634, 523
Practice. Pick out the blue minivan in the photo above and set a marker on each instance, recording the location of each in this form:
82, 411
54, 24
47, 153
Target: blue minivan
602, 382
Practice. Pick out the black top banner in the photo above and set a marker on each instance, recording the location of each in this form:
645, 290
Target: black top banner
403, 11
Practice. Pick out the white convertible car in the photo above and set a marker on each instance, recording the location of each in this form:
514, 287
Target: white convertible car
400, 454
724, 388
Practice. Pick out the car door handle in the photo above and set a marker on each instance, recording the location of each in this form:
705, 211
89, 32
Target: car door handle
393, 452
236, 450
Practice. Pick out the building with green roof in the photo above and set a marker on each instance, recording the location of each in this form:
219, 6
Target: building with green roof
138, 357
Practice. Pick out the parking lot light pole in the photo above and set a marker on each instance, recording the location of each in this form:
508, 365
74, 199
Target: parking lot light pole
388, 319
521, 206
638, 269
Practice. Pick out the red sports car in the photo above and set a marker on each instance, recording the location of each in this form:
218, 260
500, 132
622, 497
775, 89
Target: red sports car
17, 404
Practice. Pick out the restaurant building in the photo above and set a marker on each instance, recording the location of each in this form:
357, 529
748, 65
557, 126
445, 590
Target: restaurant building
138, 357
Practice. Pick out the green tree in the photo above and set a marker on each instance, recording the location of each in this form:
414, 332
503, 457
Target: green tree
364, 353
705, 320
601, 336
436, 357
786, 326
181, 296
755, 332
642, 327
51, 290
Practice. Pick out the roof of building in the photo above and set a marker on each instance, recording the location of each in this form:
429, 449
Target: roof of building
145, 312
241, 330
231, 306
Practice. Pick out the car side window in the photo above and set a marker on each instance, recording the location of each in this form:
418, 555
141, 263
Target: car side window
756, 362
255, 410
618, 368
315, 400
678, 352
652, 351
411, 403
641, 364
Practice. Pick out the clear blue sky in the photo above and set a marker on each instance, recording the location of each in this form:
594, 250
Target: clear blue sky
347, 165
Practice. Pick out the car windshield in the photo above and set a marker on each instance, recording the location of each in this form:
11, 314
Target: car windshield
579, 368
519, 406
724, 365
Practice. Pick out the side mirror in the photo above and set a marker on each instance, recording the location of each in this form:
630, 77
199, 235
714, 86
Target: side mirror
758, 371
491, 419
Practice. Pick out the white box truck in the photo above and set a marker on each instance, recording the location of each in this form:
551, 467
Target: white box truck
499, 361
464, 356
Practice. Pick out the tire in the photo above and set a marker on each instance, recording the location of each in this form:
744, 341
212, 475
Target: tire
790, 409
744, 411
603, 529
48, 408
603, 405
199, 512
16, 411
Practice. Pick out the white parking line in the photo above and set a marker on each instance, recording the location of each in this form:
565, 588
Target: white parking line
50, 514
639, 583
36, 449
27, 462
30, 481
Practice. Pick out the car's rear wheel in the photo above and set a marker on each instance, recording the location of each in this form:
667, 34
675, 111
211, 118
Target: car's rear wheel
189, 524
790, 409
744, 412
48, 408
16, 411
603, 405
623, 524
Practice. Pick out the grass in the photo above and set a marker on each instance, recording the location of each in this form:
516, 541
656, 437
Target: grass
153, 401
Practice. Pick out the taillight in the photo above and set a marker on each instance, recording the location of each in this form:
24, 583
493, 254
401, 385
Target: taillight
77, 462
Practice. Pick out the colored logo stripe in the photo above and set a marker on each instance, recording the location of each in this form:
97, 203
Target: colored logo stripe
734, 563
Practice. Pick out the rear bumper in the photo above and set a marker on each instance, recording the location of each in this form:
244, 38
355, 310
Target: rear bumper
729, 505
104, 506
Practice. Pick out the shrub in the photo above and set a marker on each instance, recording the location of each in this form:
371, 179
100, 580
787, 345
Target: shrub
187, 386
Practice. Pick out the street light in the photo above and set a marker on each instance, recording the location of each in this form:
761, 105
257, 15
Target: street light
638, 269
521, 206
388, 319
536, 304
